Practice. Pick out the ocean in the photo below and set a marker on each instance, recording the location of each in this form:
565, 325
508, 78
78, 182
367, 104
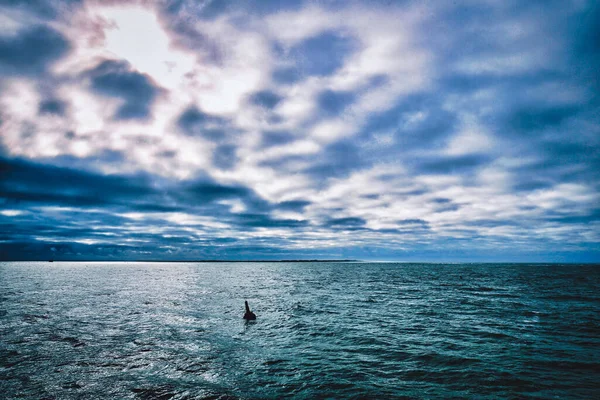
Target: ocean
323, 330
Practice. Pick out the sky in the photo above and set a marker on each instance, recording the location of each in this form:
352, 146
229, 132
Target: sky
440, 131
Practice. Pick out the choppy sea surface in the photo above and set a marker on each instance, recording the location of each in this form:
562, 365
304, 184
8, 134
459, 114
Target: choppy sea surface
324, 330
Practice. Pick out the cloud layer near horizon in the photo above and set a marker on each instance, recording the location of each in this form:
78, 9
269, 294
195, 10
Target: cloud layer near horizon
380, 130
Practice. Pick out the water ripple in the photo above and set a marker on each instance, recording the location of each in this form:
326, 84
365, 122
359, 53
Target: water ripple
324, 330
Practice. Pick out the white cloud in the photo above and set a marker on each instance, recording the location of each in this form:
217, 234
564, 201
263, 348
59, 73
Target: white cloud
228, 58
472, 137
11, 213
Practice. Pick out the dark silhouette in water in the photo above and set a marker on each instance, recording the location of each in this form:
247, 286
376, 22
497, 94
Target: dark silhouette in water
249, 315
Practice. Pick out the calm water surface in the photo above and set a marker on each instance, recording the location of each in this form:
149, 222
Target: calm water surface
324, 330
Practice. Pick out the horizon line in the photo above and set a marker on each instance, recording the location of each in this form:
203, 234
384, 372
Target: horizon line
313, 261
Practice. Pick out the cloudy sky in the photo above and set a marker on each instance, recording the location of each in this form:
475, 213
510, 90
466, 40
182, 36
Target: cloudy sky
378, 130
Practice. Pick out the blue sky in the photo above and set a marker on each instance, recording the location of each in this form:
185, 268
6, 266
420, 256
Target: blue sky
379, 130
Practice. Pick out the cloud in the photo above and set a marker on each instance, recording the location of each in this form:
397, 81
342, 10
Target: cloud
265, 98
235, 129
206, 191
32, 50
276, 138
531, 120
116, 79
585, 49
450, 165
52, 106
293, 205
345, 223
265, 221
26, 182
46, 9
334, 103
320, 55
195, 122
224, 156
337, 159
192, 116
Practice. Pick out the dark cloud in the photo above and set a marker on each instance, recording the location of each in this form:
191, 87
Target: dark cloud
565, 166
441, 200
321, 55
447, 208
192, 116
582, 155
452, 165
195, 122
209, 191
575, 218
26, 182
586, 45
277, 138
250, 220
117, 79
345, 223
337, 160
90, 164
530, 185
48, 9
286, 75
31, 51
210, 9
99, 200
532, 119
416, 122
64, 250
205, 195
52, 106
217, 8
265, 98
293, 205
332, 103
412, 222
65, 225
224, 156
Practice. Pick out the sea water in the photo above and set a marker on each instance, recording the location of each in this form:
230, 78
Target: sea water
324, 330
